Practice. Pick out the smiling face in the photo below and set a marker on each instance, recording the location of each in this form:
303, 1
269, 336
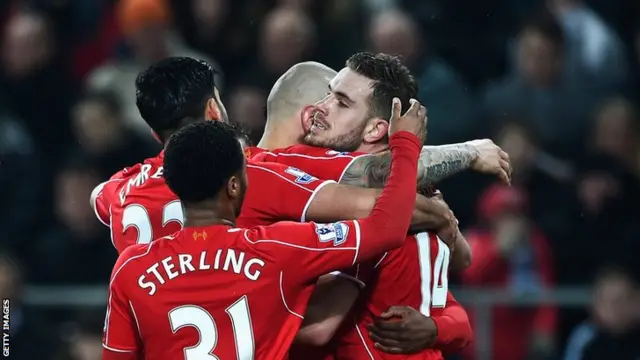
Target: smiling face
342, 117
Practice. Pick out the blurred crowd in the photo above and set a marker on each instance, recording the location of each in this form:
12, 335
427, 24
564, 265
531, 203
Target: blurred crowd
556, 83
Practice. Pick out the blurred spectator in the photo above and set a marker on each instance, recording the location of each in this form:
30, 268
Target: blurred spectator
84, 336
19, 184
246, 108
30, 336
287, 37
101, 134
613, 332
592, 46
441, 89
510, 252
34, 86
547, 180
556, 104
147, 29
616, 133
223, 29
76, 248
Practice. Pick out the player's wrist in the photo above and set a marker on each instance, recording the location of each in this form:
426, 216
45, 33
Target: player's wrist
404, 137
469, 148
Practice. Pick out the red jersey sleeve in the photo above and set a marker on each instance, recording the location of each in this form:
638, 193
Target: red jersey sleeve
326, 247
120, 327
102, 197
454, 328
285, 193
321, 162
320, 247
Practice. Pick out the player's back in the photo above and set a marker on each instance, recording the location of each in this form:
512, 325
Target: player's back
413, 275
137, 205
202, 294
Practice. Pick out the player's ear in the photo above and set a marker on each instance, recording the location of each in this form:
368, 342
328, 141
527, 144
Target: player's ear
306, 117
375, 130
234, 187
212, 111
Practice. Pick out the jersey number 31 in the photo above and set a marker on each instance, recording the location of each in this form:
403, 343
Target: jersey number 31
200, 319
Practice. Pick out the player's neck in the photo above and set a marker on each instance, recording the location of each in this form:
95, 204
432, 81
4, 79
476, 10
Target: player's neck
201, 216
373, 148
276, 138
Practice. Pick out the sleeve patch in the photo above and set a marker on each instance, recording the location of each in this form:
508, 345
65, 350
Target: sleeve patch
301, 176
336, 233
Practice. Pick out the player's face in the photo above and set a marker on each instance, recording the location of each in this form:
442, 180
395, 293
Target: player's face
341, 118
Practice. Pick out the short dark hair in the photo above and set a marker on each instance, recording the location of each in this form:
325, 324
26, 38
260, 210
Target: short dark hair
545, 23
391, 79
173, 90
200, 158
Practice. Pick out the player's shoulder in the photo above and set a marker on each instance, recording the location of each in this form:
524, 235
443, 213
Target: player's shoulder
129, 259
280, 171
144, 184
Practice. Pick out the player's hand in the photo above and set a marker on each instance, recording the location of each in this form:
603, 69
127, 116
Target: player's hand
403, 330
413, 121
491, 160
431, 213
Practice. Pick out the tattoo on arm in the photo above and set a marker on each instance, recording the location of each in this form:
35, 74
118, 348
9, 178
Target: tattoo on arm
368, 171
439, 162
436, 163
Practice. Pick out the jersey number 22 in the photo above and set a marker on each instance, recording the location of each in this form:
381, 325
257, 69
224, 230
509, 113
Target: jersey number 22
137, 216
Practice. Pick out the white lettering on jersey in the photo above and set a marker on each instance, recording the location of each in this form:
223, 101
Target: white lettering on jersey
171, 267
140, 179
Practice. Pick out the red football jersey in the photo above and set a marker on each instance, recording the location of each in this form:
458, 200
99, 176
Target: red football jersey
325, 163
222, 293
414, 275
138, 206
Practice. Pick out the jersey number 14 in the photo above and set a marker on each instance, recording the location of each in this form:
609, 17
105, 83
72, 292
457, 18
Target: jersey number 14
434, 282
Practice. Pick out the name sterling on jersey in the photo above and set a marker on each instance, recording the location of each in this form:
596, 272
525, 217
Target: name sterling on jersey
224, 259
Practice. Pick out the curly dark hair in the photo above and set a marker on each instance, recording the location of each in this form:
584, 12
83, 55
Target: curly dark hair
200, 158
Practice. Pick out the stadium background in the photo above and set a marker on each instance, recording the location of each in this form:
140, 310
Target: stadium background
557, 90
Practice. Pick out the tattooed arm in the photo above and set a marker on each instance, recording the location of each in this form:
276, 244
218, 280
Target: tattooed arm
436, 163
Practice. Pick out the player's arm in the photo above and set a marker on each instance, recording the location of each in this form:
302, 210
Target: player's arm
329, 305
436, 163
454, 327
334, 202
327, 247
100, 199
99, 205
120, 340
